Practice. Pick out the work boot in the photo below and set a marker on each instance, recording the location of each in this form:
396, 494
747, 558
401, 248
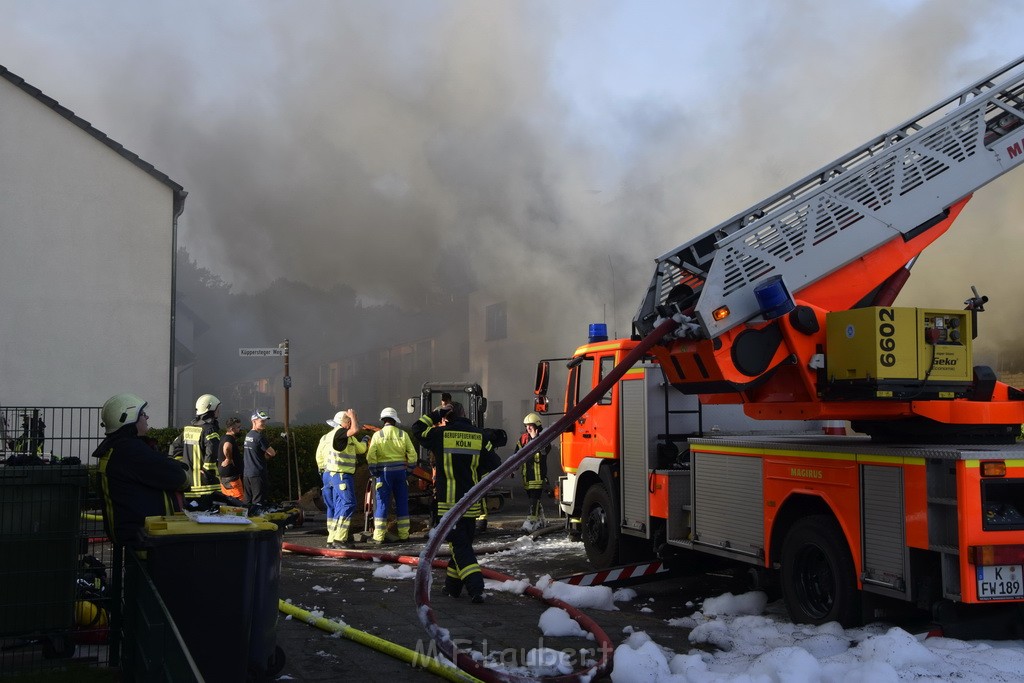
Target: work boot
481, 526
477, 599
346, 545
451, 592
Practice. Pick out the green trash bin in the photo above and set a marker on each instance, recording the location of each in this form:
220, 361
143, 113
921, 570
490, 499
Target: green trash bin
40, 513
219, 582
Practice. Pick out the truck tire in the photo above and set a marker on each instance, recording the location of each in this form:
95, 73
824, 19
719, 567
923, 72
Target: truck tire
598, 529
818, 582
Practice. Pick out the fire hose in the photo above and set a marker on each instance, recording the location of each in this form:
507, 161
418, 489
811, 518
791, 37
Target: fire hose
442, 636
412, 657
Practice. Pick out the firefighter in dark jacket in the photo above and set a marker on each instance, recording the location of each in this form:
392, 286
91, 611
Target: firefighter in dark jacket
463, 456
137, 481
202, 447
534, 470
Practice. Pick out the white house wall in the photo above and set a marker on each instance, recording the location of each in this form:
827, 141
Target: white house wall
85, 265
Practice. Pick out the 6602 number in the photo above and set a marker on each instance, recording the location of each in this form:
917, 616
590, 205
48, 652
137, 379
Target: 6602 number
887, 337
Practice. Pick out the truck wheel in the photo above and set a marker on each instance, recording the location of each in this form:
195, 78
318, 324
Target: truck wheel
818, 580
598, 529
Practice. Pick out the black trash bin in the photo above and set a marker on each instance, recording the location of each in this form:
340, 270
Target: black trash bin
220, 583
40, 513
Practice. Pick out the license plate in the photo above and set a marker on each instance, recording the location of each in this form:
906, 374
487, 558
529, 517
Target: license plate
1000, 582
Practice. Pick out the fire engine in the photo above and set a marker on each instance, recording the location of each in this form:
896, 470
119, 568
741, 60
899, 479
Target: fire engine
785, 313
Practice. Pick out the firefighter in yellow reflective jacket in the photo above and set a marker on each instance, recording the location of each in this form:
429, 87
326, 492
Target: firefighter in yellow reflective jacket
462, 457
391, 457
534, 471
337, 457
202, 447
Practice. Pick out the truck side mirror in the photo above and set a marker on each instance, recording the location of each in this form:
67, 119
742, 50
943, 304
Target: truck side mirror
540, 387
410, 406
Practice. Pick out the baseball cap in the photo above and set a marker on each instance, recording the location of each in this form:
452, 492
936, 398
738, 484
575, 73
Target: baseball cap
260, 415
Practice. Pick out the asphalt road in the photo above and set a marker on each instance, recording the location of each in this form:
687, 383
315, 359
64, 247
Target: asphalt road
505, 627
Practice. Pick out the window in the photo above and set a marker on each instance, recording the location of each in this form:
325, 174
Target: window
580, 382
607, 365
496, 322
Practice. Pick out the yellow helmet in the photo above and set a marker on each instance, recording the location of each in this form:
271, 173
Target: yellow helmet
532, 419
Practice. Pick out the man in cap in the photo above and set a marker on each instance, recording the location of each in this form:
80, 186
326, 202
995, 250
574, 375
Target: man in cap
257, 452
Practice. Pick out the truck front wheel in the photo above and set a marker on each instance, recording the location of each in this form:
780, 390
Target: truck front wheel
598, 528
818, 580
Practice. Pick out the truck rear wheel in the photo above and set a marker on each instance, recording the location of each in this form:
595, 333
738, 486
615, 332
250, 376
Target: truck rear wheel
598, 528
818, 580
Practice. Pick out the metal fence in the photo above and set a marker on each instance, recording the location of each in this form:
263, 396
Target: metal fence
52, 573
49, 433
60, 585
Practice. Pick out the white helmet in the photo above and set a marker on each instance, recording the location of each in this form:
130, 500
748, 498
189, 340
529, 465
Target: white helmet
391, 413
206, 403
339, 418
120, 410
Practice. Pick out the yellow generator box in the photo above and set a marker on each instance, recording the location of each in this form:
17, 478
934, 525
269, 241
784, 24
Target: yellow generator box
899, 346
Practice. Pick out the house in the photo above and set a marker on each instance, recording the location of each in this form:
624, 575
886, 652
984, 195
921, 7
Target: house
87, 262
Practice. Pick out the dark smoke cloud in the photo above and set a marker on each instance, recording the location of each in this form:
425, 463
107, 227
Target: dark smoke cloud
359, 143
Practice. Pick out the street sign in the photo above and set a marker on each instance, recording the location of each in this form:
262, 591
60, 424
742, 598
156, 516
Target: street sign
262, 353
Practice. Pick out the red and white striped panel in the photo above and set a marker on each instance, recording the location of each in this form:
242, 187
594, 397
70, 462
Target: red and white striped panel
631, 571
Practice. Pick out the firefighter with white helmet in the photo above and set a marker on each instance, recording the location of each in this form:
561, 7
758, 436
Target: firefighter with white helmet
391, 457
202, 446
534, 471
136, 480
337, 457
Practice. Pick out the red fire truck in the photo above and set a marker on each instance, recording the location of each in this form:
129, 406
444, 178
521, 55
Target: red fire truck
784, 319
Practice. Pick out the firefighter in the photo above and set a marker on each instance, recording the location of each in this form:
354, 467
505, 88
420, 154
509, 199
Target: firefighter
463, 457
391, 457
137, 481
202, 447
337, 458
534, 470
229, 468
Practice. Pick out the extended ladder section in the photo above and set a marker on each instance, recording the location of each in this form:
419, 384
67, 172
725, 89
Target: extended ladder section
891, 186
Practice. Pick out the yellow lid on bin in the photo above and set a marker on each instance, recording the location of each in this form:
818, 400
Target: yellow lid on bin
180, 525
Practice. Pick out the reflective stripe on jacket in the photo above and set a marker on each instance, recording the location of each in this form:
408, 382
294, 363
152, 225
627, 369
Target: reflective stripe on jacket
461, 457
391, 446
202, 453
330, 460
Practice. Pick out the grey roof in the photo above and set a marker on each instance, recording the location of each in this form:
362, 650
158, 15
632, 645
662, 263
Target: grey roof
179, 191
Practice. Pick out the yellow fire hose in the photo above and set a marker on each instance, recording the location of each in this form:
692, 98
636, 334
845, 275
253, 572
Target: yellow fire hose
404, 654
